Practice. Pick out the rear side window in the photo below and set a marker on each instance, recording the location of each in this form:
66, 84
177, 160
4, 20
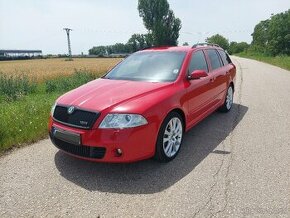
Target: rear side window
226, 59
214, 59
198, 62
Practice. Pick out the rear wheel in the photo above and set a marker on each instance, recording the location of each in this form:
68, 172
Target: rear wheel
228, 101
169, 138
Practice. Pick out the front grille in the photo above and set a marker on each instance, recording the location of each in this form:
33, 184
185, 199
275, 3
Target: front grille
79, 118
82, 150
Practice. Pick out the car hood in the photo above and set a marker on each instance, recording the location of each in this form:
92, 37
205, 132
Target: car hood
101, 94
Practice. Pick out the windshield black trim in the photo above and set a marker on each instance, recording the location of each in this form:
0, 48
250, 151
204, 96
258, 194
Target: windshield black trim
138, 79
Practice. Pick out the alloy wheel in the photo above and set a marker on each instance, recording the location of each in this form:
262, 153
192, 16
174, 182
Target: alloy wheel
229, 98
172, 137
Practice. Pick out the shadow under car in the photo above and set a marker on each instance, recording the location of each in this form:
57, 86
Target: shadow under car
149, 176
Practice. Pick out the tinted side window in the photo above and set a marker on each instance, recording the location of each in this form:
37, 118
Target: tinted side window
226, 59
214, 59
198, 62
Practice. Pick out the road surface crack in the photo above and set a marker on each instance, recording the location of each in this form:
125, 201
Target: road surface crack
234, 124
211, 191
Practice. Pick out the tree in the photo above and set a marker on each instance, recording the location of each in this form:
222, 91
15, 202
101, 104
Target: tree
220, 40
238, 47
260, 36
272, 36
185, 44
163, 28
138, 42
98, 50
118, 48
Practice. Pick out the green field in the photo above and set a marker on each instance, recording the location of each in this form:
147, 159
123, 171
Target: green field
26, 96
280, 61
25, 120
25, 106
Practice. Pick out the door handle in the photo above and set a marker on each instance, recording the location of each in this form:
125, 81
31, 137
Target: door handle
212, 79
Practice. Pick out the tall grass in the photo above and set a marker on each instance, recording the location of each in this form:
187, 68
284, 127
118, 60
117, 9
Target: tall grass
25, 106
64, 84
15, 86
25, 120
280, 61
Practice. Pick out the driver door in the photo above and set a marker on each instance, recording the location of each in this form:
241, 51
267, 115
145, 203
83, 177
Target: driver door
198, 90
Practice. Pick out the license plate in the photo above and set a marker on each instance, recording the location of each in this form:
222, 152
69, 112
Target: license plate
67, 136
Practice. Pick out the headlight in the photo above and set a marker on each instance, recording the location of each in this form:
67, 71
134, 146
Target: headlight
52, 109
121, 121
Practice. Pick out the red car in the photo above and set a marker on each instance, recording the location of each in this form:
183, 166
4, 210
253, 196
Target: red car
144, 105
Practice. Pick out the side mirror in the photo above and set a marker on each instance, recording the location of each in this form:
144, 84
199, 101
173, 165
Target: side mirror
197, 74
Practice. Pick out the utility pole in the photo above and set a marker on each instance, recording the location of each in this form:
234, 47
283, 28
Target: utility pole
68, 42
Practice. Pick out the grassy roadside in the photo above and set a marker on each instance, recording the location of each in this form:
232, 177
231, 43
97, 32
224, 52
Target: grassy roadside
280, 61
25, 120
25, 106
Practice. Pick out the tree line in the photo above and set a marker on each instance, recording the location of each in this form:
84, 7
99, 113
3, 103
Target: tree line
162, 25
230, 47
135, 43
270, 37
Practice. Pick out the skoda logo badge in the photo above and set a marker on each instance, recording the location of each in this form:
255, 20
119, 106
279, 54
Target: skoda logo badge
71, 109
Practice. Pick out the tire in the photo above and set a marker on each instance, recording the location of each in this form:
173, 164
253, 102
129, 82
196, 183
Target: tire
169, 139
228, 103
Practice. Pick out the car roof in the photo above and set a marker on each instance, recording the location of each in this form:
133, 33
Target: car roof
182, 48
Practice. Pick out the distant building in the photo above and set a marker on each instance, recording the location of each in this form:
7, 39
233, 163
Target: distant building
6, 55
20, 53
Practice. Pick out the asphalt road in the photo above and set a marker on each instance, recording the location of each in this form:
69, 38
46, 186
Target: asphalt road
230, 165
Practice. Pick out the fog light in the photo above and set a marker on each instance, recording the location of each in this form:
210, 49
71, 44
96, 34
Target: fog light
119, 152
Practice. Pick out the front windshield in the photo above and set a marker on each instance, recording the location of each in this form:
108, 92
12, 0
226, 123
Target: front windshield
153, 66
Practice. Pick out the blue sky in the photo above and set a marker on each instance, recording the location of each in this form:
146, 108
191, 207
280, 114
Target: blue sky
36, 24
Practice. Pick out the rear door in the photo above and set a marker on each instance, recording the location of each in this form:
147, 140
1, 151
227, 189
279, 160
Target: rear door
228, 66
218, 72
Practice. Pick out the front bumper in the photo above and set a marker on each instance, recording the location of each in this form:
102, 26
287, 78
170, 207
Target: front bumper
100, 145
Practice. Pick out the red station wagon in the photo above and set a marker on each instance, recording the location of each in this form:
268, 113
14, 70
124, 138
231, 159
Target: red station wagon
144, 105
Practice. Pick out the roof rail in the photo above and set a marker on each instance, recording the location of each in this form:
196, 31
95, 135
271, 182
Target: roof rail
205, 44
156, 46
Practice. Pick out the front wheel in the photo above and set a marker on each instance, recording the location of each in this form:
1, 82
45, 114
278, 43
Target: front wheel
228, 101
169, 138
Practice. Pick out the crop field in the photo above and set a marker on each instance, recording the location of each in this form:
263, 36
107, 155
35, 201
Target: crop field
28, 89
41, 69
